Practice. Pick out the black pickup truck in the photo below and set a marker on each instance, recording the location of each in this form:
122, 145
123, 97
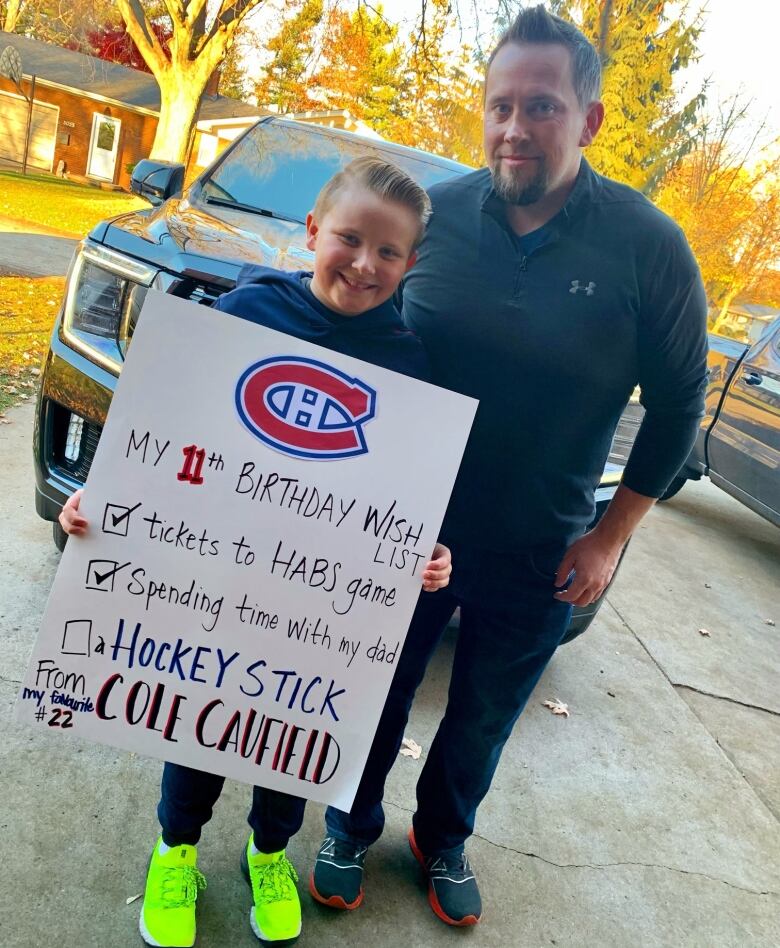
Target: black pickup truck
248, 207
738, 444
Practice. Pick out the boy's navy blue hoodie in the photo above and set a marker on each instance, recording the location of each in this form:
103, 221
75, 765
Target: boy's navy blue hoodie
285, 302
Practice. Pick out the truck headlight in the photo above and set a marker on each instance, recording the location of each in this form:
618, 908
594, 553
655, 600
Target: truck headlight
104, 295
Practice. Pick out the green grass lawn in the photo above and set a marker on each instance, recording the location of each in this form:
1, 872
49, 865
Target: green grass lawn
27, 310
28, 306
63, 205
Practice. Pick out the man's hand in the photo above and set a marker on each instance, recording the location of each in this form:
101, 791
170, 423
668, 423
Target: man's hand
70, 519
594, 558
436, 574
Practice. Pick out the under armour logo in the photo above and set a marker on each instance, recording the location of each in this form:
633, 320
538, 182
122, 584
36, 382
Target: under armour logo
587, 290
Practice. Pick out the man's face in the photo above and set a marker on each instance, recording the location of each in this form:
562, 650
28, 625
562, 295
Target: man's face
534, 124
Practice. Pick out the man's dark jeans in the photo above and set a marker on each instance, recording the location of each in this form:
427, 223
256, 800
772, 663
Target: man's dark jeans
510, 625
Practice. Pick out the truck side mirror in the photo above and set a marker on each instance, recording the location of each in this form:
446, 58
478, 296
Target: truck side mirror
156, 181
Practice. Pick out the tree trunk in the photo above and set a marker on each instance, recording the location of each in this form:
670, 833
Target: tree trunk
724, 310
179, 100
12, 11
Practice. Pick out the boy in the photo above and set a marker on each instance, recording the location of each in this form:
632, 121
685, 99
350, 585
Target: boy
365, 227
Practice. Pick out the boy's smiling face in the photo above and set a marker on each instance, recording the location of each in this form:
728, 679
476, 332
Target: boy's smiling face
363, 246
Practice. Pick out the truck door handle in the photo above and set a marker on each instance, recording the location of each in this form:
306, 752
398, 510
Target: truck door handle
752, 378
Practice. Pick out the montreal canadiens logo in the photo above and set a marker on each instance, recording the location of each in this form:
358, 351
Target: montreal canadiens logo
305, 408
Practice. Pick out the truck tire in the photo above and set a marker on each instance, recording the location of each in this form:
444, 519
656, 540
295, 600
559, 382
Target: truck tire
674, 488
60, 536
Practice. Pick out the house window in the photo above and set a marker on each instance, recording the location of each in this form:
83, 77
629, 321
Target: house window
106, 135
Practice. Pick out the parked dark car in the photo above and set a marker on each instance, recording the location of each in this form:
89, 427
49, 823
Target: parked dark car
249, 206
738, 444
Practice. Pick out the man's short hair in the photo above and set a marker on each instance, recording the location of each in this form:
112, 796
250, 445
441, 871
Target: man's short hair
537, 25
382, 178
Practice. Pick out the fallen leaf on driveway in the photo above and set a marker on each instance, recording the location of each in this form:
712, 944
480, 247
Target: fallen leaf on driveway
705, 632
133, 898
557, 707
410, 748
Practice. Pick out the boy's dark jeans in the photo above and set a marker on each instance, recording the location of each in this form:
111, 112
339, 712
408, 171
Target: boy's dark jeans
188, 797
510, 625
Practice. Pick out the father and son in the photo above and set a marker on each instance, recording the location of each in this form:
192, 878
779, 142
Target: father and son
548, 292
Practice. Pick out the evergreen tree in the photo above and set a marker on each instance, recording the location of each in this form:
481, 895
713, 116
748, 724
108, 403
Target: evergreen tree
233, 80
644, 45
285, 83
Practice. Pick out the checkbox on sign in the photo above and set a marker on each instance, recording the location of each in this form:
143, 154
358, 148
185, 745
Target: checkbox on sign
101, 574
116, 519
76, 639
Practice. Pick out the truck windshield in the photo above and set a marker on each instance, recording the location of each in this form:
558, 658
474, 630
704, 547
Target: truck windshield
279, 169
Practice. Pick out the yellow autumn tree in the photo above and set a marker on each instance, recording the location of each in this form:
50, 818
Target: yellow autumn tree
440, 99
726, 197
201, 35
360, 66
416, 93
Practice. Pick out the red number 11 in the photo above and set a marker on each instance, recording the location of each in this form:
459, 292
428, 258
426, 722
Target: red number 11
192, 453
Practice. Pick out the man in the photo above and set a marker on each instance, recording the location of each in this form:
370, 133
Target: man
547, 292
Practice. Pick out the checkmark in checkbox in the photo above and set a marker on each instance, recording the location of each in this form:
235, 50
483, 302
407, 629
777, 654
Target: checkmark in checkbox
116, 519
101, 573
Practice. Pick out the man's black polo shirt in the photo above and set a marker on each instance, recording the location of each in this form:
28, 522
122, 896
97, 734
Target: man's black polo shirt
552, 343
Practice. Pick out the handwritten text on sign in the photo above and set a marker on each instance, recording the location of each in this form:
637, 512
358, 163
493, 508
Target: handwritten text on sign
260, 512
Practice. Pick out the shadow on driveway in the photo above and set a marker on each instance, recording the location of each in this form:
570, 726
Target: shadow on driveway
29, 250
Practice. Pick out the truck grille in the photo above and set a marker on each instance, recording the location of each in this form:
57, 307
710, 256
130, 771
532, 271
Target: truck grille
71, 459
197, 291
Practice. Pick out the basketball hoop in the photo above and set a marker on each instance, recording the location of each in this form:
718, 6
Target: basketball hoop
11, 64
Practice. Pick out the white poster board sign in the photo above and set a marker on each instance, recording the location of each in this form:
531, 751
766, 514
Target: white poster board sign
260, 511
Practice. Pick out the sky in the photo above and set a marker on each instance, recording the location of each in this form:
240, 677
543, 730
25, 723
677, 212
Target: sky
739, 49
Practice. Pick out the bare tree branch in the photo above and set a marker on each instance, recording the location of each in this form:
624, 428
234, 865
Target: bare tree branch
144, 37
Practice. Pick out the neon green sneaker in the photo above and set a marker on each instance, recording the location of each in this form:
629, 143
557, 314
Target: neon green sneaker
172, 884
276, 915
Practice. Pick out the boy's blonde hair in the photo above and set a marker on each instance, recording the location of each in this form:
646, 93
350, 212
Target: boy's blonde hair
382, 178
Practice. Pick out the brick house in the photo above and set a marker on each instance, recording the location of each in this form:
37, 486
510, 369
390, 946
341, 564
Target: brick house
92, 120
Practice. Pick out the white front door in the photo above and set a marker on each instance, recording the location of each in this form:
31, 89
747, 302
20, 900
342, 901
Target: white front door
103, 147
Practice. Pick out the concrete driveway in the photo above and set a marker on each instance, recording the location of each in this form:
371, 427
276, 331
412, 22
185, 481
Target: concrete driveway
28, 250
647, 818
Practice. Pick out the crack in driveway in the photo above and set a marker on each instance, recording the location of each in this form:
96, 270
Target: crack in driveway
606, 865
709, 694
610, 865
679, 684
679, 687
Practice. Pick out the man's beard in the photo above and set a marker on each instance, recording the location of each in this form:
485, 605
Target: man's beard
512, 190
